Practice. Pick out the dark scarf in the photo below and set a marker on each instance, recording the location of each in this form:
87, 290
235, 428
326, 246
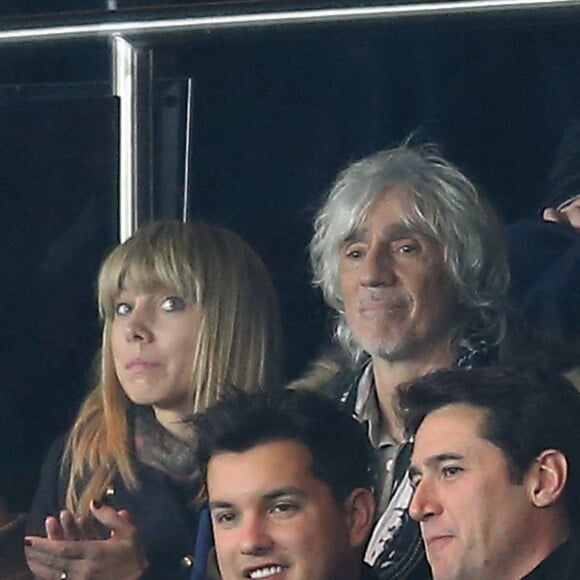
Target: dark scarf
160, 449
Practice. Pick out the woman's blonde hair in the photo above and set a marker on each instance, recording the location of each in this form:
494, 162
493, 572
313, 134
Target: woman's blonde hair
239, 340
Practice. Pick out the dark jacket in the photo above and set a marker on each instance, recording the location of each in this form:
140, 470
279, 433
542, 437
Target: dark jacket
544, 260
12, 563
562, 564
368, 573
162, 514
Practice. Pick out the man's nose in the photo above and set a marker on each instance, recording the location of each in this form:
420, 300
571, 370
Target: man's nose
377, 268
425, 502
255, 538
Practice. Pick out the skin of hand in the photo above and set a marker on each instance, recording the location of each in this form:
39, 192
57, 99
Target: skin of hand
569, 215
75, 548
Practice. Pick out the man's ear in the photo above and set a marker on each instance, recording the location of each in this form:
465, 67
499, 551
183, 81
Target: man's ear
548, 477
360, 511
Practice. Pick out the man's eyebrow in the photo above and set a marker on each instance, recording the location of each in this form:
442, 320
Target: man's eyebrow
356, 235
218, 504
398, 230
271, 495
436, 460
390, 233
284, 491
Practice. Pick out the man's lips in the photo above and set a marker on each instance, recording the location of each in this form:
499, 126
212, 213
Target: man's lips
380, 306
437, 541
269, 570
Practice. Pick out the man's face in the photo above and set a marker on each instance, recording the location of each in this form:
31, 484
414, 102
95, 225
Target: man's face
474, 521
397, 294
273, 519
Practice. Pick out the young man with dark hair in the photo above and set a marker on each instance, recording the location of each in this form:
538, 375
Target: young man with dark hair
495, 472
288, 478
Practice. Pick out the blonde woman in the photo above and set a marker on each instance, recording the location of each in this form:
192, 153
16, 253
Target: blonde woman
187, 310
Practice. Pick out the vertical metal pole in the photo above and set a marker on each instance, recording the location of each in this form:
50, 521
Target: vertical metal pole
123, 86
187, 152
132, 79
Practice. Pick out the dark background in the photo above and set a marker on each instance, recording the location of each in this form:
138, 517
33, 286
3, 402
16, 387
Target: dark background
277, 113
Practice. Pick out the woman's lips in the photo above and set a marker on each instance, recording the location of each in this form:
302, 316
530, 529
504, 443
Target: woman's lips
141, 364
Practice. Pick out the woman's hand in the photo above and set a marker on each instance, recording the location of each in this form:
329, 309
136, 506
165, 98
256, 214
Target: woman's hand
72, 551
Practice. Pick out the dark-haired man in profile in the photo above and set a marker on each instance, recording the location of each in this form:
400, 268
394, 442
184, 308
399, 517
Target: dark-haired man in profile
288, 479
495, 470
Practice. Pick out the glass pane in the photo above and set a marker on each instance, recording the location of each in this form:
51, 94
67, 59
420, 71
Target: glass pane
58, 216
277, 113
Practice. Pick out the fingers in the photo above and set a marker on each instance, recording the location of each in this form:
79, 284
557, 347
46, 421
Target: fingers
120, 556
53, 528
70, 528
50, 550
49, 558
89, 529
551, 214
45, 558
573, 215
119, 523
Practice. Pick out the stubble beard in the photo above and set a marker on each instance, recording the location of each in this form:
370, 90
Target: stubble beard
394, 350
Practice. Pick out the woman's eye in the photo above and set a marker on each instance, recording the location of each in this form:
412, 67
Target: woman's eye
122, 308
173, 303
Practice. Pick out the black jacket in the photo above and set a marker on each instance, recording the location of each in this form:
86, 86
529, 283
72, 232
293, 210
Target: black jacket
544, 262
562, 564
167, 525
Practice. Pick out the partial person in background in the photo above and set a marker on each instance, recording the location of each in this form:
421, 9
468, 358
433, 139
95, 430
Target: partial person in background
187, 310
412, 260
495, 472
288, 477
544, 251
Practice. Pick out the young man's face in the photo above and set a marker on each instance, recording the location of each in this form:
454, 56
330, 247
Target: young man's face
273, 519
398, 297
474, 520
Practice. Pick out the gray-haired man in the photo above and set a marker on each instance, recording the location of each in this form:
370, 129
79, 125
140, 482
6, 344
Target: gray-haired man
412, 259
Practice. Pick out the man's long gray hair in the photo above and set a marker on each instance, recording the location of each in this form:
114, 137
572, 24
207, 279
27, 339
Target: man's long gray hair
445, 207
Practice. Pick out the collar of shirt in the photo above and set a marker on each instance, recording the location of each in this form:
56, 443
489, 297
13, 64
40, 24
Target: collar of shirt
366, 408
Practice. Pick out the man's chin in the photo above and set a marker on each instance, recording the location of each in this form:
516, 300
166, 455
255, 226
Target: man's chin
443, 569
391, 351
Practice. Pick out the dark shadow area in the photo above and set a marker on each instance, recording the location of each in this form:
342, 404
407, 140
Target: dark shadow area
58, 212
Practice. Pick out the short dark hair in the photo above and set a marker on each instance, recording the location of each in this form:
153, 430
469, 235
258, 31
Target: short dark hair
341, 453
527, 411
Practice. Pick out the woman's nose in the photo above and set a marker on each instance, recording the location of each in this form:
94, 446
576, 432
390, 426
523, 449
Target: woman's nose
138, 328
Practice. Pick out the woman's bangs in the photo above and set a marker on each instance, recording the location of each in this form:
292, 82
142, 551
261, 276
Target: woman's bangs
145, 270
